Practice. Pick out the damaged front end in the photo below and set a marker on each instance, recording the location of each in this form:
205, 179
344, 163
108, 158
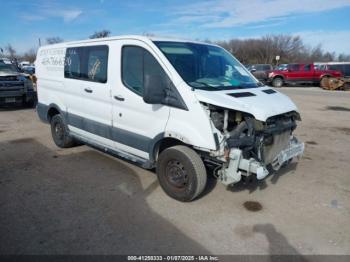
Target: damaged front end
251, 147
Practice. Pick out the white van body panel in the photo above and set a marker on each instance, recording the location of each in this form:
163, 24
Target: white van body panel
192, 126
133, 126
50, 65
132, 114
261, 105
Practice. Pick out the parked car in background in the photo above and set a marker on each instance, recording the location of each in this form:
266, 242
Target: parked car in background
260, 71
343, 67
30, 70
23, 64
15, 87
300, 74
5, 60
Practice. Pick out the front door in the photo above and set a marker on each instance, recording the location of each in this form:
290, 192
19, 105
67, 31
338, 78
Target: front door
308, 73
136, 124
294, 74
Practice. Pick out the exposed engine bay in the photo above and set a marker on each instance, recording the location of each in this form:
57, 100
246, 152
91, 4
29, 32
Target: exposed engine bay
249, 146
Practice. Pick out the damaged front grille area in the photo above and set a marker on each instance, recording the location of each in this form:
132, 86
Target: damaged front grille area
279, 126
248, 146
259, 140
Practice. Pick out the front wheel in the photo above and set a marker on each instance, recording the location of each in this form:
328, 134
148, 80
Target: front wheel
277, 82
181, 173
59, 132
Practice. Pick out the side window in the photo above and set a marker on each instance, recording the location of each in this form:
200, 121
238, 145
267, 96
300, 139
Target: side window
132, 68
87, 63
258, 67
136, 64
97, 60
307, 67
152, 67
72, 67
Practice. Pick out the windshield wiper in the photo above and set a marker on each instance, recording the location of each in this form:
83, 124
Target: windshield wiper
208, 87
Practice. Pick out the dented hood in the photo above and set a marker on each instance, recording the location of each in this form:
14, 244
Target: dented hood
253, 101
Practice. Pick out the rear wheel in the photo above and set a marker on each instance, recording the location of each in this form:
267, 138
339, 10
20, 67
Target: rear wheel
181, 173
324, 82
59, 132
277, 82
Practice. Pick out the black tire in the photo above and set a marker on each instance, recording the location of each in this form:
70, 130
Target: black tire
59, 132
181, 173
277, 82
30, 103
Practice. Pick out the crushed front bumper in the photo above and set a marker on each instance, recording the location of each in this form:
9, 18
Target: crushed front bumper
295, 149
237, 166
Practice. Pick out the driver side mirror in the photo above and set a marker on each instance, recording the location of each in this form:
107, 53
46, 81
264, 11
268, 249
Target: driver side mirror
252, 70
154, 89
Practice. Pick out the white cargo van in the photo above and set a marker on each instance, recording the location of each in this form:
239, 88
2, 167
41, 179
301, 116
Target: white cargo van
182, 107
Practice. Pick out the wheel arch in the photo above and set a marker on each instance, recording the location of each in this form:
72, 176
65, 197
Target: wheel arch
325, 75
53, 109
160, 143
278, 76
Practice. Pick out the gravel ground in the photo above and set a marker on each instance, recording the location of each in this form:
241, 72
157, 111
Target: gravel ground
80, 201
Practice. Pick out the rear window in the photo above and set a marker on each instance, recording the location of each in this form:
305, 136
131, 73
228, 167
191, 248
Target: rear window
307, 67
87, 63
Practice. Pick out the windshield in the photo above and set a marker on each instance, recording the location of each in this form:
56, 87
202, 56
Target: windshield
7, 68
207, 67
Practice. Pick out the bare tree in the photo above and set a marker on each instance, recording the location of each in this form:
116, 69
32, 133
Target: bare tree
343, 58
11, 52
30, 55
264, 50
100, 34
54, 40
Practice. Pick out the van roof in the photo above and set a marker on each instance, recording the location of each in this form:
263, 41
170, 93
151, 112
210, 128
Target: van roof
136, 37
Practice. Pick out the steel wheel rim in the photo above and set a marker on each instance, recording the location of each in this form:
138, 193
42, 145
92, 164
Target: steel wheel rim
59, 131
278, 82
176, 174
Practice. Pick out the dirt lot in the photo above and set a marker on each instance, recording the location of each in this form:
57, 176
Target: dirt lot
80, 201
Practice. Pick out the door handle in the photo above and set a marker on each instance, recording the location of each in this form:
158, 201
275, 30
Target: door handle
87, 90
119, 98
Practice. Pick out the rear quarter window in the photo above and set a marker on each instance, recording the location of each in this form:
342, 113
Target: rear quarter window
88, 63
72, 68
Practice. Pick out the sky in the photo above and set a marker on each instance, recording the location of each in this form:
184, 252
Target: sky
325, 22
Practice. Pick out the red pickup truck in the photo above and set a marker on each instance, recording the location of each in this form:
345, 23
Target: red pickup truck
300, 73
